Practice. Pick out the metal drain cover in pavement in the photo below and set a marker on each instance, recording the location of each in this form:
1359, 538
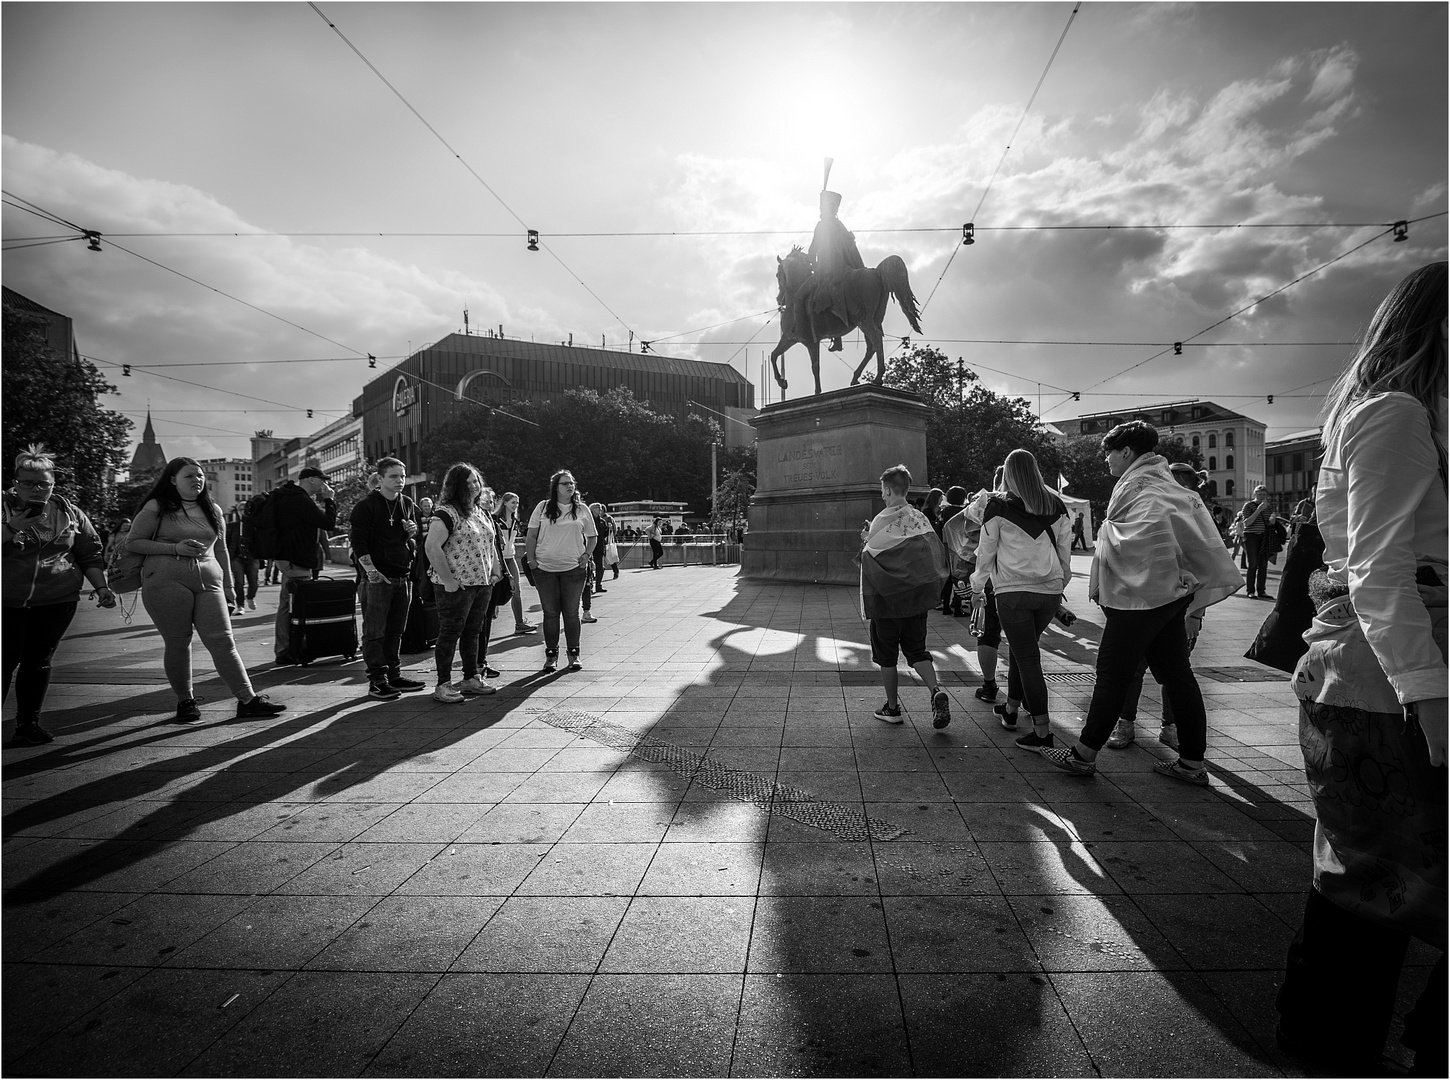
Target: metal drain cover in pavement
788, 802
1070, 676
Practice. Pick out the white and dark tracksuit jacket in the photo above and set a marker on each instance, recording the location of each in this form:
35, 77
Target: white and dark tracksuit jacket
1021, 551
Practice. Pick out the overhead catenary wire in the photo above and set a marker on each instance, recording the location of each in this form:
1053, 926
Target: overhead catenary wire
666, 233
1232, 315
459, 158
223, 390
1007, 149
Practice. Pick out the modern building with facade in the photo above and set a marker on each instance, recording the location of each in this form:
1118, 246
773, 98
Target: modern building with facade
337, 449
1292, 468
436, 383
1231, 443
230, 480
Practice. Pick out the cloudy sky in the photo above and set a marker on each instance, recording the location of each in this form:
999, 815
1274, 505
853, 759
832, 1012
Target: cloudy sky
251, 148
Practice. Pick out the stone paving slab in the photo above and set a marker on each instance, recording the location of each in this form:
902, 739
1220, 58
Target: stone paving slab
701, 855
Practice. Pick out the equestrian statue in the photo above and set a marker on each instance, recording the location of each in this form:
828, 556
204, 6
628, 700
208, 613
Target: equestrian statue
828, 291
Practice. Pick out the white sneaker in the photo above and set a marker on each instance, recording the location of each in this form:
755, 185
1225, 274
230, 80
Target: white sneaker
476, 686
251, 604
447, 694
1123, 735
588, 618
1169, 735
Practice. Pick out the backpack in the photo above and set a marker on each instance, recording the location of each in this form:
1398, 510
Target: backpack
259, 527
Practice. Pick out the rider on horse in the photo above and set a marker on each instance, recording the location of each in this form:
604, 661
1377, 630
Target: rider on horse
834, 250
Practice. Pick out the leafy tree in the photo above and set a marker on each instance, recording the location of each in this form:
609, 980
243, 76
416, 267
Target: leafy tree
616, 445
732, 497
54, 400
130, 494
971, 429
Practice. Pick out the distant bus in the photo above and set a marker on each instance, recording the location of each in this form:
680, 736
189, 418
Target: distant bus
640, 515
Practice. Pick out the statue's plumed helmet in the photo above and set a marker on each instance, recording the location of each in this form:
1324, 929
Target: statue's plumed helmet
830, 200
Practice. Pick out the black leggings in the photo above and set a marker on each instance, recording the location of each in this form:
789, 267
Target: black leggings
31, 636
1258, 562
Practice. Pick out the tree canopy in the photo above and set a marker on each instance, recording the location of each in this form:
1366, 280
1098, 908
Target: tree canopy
54, 400
971, 429
617, 447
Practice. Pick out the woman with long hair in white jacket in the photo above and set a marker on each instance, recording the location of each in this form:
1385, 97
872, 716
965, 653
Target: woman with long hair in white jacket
1025, 551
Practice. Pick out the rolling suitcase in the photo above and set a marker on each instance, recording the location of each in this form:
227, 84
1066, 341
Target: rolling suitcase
420, 633
323, 619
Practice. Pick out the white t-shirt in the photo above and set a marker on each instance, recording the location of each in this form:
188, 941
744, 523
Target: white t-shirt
562, 543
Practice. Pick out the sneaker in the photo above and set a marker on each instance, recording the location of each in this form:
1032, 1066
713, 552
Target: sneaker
1168, 736
574, 664
31, 734
260, 706
1009, 719
446, 694
187, 711
382, 690
941, 710
476, 687
987, 692
1177, 770
490, 673
1067, 761
525, 628
251, 604
588, 618
601, 589
551, 662
405, 685
889, 713
1034, 742
1123, 735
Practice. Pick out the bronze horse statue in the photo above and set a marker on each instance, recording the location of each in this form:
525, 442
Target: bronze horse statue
865, 293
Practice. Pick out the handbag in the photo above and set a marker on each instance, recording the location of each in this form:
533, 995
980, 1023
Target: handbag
124, 573
611, 553
503, 591
1280, 641
1379, 838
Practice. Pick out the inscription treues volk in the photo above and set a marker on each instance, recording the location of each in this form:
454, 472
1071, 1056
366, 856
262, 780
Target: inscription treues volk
809, 464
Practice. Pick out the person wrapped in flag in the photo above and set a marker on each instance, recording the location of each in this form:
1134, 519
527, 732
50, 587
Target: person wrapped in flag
902, 570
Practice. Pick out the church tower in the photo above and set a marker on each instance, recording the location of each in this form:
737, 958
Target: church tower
149, 457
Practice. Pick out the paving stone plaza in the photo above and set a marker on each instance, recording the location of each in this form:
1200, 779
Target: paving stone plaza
701, 855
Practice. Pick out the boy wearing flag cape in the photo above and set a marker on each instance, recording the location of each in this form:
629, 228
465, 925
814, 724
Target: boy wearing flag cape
902, 570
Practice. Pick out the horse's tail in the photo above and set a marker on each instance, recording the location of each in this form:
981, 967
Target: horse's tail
894, 277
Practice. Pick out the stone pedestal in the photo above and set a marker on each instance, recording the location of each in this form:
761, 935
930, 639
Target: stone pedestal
818, 478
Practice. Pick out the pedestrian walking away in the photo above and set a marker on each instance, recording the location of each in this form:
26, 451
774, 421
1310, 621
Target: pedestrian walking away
1158, 559
560, 546
51, 551
186, 586
902, 567
382, 530
1025, 551
1372, 701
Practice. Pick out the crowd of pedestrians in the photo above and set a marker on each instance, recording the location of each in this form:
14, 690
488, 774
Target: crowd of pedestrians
1372, 677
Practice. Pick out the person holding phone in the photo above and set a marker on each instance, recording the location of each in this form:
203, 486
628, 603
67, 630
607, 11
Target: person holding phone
50, 552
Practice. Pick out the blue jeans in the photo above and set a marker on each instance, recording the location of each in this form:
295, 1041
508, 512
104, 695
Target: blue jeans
384, 616
560, 595
283, 626
462, 618
1024, 616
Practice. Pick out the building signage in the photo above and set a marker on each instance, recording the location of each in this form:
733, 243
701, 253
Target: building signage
404, 396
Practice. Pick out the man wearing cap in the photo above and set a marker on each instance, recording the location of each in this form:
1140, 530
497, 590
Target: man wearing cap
834, 249
298, 518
